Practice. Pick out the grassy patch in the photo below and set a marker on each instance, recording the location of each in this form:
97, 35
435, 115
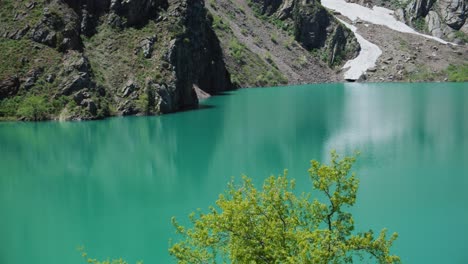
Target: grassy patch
321, 54
17, 57
32, 107
15, 15
116, 55
453, 73
219, 23
461, 36
458, 73
249, 69
420, 24
237, 50
424, 74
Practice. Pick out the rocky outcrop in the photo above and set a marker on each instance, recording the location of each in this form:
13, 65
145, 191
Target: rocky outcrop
441, 18
269, 7
311, 24
133, 12
76, 73
196, 56
60, 31
9, 87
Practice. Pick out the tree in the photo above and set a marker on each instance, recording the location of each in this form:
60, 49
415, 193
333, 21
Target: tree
273, 225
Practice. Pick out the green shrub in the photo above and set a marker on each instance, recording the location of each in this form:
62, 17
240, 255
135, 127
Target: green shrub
33, 108
274, 37
218, 23
237, 50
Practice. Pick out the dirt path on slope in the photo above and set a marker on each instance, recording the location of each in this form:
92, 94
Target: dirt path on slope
265, 39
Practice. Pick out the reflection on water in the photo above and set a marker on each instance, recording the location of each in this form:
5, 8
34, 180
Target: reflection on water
431, 122
113, 185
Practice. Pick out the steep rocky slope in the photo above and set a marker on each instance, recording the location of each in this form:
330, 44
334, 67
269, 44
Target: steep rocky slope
269, 43
77, 59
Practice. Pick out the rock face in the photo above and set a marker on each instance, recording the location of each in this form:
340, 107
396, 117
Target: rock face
197, 57
126, 12
113, 57
313, 27
9, 87
442, 18
311, 22
58, 31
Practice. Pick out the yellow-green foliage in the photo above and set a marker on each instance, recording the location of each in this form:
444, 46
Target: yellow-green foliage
107, 261
274, 225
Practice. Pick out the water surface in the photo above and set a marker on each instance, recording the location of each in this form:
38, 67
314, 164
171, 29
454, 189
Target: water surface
113, 185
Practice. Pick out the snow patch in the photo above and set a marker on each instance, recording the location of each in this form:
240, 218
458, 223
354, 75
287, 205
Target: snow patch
377, 15
366, 59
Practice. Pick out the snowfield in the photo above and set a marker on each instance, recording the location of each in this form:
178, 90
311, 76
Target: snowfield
369, 51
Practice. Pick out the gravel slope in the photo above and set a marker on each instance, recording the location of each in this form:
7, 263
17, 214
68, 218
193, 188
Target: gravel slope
297, 64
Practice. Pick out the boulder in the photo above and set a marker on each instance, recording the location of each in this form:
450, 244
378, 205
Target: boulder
285, 10
79, 96
50, 78
75, 83
29, 83
434, 24
42, 34
90, 105
201, 95
9, 87
146, 46
164, 99
464, 28
129, 88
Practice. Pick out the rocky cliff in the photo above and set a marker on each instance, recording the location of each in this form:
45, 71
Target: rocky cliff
313, 26
442, 18
84, 59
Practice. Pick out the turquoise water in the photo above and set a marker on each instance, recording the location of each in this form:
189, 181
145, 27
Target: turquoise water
113, 185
